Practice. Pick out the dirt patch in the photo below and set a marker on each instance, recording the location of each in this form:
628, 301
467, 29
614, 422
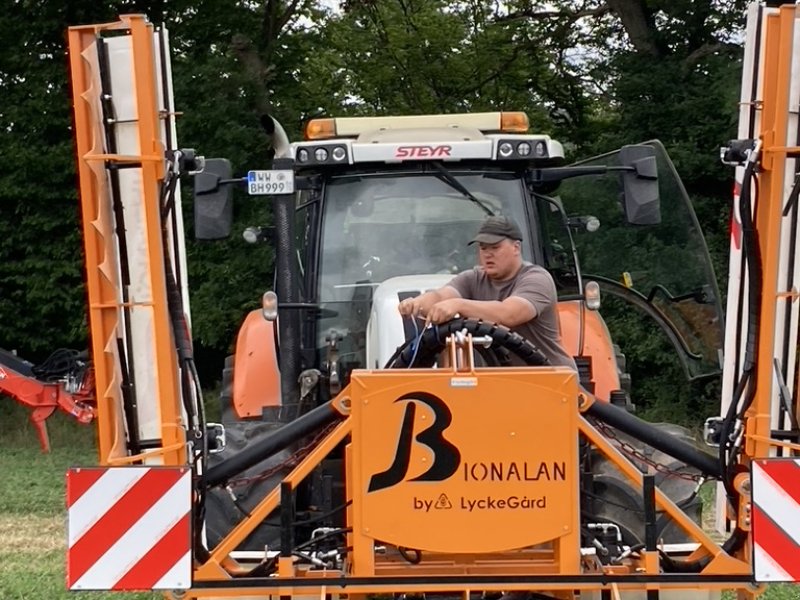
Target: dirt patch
31, 533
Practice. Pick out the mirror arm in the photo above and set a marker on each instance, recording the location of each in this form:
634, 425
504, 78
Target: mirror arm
560, 173
232, 181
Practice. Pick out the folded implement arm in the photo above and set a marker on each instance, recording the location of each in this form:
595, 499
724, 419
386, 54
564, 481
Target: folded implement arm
133, 239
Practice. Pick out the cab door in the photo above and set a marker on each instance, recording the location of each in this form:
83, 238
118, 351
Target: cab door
662, 270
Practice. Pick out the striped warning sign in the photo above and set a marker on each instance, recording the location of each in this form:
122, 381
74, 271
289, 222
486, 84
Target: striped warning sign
129, 528
776, 519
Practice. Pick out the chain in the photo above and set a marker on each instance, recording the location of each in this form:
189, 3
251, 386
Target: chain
637, 454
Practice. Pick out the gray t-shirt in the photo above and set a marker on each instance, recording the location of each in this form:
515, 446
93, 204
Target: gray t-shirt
534, 284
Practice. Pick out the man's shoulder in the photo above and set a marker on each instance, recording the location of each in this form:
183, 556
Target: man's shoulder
463, 281
530, 270
475, 272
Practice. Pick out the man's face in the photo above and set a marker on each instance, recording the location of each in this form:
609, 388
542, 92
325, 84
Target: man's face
501, 260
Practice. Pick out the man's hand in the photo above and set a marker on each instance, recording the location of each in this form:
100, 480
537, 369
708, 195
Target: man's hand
444, 311
419, 305
422, 304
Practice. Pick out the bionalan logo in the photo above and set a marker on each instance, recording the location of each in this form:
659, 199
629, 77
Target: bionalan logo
447, 458
422, 151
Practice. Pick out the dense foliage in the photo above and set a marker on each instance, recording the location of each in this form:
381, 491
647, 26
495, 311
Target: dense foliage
596, 74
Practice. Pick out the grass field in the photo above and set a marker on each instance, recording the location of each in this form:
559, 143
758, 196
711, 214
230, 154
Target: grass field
32, 515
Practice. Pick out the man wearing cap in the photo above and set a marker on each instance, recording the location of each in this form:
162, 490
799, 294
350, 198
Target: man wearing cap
501, 289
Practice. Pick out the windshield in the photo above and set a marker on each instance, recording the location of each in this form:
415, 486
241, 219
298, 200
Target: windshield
381, 226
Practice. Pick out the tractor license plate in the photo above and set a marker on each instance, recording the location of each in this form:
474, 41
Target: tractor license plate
262, 183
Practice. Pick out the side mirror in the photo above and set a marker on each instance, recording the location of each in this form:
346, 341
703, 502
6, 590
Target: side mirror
213, 200
640, 197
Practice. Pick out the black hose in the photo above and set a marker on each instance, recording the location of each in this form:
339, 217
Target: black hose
657, 438
747, 381
423, 350
304, 425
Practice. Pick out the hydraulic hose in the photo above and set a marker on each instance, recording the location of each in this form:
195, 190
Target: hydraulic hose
423, 350
747, 381
288, 434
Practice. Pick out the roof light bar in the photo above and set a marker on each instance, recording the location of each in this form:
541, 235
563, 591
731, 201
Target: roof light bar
506, 122
321, 129
514, 122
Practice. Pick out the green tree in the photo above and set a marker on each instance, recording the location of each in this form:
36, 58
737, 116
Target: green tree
233, 64
41, 294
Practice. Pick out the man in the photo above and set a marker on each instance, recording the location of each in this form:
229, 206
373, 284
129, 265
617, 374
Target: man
502, 289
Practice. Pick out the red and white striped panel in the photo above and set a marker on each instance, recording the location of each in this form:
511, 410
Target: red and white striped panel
129, 528
776, 519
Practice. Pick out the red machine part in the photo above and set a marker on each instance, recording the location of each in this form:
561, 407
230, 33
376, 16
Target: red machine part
44, 397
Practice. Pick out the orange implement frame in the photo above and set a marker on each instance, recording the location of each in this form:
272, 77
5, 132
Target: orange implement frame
476, 470
102, 260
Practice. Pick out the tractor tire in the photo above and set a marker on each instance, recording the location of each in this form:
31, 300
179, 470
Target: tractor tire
224, 508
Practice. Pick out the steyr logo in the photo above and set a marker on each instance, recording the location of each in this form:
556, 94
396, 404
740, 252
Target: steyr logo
422, 151
446, 457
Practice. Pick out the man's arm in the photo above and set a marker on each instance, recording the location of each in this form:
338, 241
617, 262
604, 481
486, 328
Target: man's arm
511, 312
422, 304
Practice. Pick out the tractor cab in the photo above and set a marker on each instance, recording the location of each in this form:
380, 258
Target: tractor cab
391, 228
384, 208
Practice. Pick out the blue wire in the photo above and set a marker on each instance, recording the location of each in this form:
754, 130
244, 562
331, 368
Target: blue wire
415, 343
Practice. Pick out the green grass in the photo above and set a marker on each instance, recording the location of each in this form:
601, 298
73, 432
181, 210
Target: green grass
32, 514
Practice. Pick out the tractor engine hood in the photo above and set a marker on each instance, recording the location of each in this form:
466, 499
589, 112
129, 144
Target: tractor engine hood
387, 329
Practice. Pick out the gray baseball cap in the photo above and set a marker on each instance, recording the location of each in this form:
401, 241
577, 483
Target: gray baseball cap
496, 229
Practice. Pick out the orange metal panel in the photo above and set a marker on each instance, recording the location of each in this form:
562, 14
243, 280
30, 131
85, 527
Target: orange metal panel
103, 293
431, 468
256, 378
596, 343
